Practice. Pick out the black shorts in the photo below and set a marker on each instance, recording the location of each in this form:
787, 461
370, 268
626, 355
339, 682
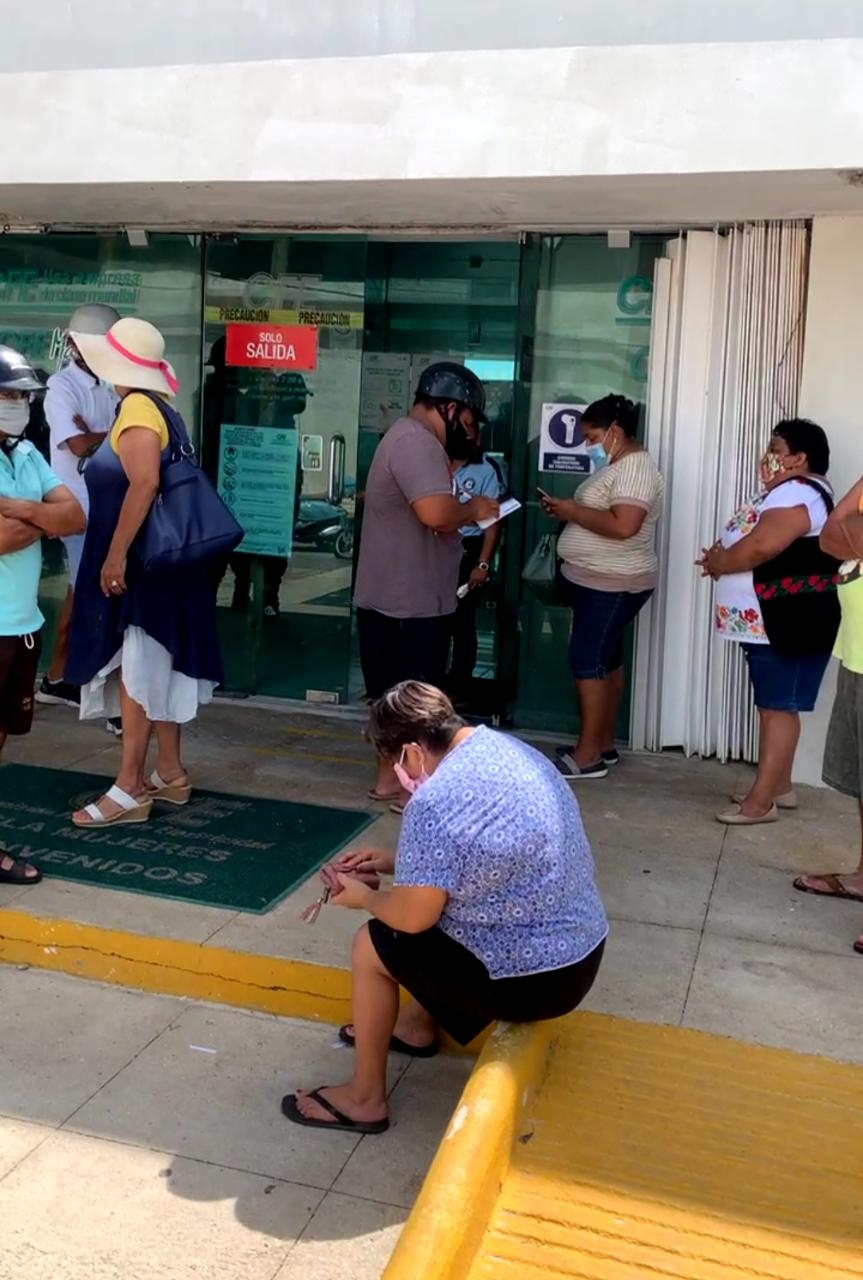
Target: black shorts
455, 987
396, 649
19, 660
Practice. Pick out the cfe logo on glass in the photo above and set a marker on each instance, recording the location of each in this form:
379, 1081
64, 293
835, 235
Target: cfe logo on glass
268, 346
561, 443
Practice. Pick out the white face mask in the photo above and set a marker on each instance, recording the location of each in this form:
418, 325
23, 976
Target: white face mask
14, 416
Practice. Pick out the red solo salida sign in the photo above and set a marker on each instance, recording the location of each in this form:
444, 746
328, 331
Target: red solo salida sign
272, 346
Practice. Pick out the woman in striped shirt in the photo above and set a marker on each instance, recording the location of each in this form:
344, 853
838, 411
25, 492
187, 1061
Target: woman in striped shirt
609, 561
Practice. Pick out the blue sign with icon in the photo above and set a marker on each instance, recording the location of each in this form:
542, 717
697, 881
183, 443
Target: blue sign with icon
561, 444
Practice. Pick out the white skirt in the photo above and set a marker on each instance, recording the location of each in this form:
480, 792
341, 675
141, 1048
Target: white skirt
147, 669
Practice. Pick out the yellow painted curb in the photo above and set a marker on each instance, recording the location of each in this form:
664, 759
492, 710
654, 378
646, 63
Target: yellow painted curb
291, 988
170, 967
447, 1224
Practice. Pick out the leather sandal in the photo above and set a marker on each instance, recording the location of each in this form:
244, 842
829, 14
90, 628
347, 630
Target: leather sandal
17, 873
835, 888
131, 810
177, 792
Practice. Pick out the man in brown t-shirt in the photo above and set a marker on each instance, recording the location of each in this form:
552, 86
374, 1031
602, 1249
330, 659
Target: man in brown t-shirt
410, 549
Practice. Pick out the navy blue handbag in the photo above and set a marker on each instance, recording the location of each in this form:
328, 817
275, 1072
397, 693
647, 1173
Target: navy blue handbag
188, 525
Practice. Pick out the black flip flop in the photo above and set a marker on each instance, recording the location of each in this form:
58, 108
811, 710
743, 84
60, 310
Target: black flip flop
17, 873
339, 1122
396, 1045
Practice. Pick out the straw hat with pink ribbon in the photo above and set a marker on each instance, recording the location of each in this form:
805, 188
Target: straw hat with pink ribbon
131, 354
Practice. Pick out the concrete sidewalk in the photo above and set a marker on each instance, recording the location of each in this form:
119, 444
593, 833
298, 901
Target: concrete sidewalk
129, 1150
707, 931
141, 1137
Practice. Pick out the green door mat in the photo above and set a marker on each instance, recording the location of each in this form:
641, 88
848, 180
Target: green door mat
219, 850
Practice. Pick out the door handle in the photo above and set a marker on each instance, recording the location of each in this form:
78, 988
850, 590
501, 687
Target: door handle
336, 476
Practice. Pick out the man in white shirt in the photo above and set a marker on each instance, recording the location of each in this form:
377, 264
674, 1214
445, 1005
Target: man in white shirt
79, 410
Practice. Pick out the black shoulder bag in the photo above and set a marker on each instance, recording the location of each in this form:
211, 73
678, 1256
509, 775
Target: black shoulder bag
796, 592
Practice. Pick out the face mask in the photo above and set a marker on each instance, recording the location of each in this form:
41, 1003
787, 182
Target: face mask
14, 416
458, 441
598, 456
406, 782
773, 465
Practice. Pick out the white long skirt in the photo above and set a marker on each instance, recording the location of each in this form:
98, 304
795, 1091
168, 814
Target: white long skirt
147, 669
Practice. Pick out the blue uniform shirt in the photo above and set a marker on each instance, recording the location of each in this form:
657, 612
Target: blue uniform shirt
499, 829
24, 473
477, 479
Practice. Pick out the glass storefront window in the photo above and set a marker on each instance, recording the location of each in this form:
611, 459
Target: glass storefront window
590, 336
280, 429
289, 440
44, 278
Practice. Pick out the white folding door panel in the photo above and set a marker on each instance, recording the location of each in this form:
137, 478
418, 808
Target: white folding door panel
726, 351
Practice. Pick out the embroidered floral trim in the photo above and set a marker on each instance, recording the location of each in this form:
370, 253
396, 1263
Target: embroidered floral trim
746, 624
814, 584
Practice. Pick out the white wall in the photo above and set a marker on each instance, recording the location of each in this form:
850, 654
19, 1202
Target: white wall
55, 34
831, 395
359, 141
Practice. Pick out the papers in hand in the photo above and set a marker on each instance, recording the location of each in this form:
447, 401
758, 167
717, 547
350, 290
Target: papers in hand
506, 509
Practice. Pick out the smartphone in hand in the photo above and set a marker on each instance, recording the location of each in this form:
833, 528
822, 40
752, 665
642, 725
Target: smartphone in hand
542, 493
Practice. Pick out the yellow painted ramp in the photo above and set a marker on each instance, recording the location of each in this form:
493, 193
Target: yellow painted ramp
605, 1149
655, 1152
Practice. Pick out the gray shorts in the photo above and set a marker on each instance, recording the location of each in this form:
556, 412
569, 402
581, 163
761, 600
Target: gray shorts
843, 750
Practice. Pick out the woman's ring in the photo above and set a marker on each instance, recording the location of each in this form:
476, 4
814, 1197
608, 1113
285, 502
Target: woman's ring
114, 582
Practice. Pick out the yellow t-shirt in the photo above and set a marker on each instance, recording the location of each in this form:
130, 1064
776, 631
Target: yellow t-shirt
849, 642
137, 410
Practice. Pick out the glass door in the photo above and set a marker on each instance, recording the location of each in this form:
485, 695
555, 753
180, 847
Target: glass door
283, 340
447, 300
585, 331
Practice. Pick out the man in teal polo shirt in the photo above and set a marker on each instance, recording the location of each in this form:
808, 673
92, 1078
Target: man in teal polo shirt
33, 502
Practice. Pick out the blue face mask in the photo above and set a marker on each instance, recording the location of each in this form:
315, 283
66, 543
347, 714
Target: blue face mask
598, 456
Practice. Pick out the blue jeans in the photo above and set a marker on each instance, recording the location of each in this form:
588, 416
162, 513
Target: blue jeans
599, 622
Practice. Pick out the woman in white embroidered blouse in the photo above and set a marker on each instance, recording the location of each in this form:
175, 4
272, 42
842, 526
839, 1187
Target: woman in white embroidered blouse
609, 560
794, 503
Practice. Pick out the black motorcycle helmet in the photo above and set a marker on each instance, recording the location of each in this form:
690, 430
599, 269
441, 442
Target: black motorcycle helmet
448, 381
16, 373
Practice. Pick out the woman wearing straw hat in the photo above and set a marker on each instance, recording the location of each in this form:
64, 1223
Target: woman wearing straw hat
142, 644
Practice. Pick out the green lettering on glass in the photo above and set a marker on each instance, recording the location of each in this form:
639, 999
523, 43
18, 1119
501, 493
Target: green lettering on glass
635, 295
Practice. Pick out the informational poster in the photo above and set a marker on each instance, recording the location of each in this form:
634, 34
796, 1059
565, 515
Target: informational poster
386, 389
272, 346
561, 443
257, 481
312, 453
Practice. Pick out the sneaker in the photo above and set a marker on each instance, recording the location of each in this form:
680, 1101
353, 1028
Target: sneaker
568, 767
611, 757
58, 693
115, 726
270, 611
